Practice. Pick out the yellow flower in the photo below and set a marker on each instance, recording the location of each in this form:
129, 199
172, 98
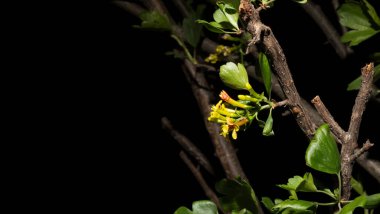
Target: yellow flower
226, 98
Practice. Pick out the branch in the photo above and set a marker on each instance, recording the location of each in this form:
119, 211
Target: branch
327, 28
263, 34
328, 118
366, 146
199, 177
131, 8
371, 166
223, 147
187, 145
351, 136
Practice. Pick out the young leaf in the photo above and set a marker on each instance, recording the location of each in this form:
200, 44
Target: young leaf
265, 72
238, 195
212, 26
373, 201
234, 76
268, 128
204, 207
231, 12
154, 20
268, 203
297, 183
294, 206
354, 37
183, 210
322, 153
357, 186
358, 202
352, 15
371, 11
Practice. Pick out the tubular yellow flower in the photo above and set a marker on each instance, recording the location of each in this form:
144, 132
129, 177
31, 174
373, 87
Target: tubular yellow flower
226, 98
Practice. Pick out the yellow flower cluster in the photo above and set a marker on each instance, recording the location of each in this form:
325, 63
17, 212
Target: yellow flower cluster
221, 51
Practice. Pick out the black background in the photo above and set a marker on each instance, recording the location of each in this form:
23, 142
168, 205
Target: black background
128, 84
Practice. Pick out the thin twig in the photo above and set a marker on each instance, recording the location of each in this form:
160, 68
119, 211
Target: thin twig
199, 177
366, 146
131, 8
328, 118
187, 145
371, 166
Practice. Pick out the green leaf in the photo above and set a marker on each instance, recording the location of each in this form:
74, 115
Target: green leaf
219, 16
357, 186
266, 72
322, 153
243, 211
355, 37
294, 206
204, 207
193, 30
268, 203
373, 201
183, 210
371, 11
230, 9
355, 84
234, 76
358, 202
154, 20
238, 194
213, 26
268, 128
301, 184
352, 15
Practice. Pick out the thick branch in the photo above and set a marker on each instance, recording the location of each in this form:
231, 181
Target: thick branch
199, 177
327, 28
264, 35
187, 145
351, 136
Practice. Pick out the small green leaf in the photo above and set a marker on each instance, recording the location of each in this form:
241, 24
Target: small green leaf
294, 206
352, 15
234, 76
266, 72
373, 201
154, 20
357, 186
219, 16
183, 210
322, 153
293, 183
231, 11
238, 194
204, 207
357, 202
355, 37
297, 183
371, 11
268, 128
268, 203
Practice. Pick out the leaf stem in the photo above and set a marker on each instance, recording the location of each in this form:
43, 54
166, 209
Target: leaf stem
189, 56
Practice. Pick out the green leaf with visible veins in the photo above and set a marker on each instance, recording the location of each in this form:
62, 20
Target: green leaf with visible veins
354, 37
357, 202
322, 153
352, 15
294, 206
